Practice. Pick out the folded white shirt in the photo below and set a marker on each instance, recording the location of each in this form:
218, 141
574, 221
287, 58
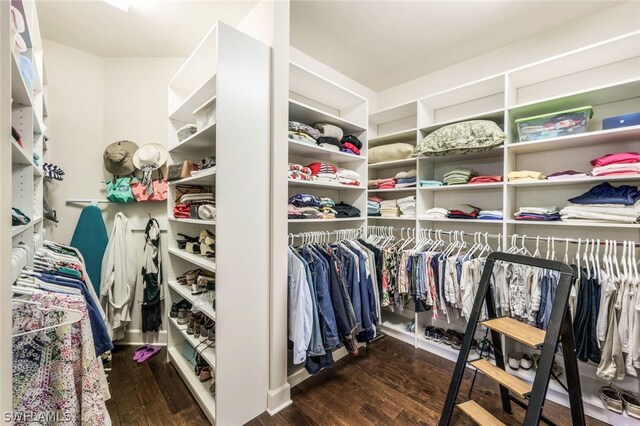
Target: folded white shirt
539, 209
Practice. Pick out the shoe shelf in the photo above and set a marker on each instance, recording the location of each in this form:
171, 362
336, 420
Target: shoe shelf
195, 221
393, 324
196, 259
208, 353
200, 390
18, 154
194, 299
20, 92
205, 178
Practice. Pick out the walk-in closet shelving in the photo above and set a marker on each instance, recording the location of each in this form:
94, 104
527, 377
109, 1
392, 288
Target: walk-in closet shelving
315, 99
230, 72
21, 177
605, 76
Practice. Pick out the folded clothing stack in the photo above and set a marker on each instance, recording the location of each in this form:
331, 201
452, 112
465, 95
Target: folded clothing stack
620, 163
436, 213
301, 132
299, 172
373, 184
490, 214
351, 144
330, 136
430, 183
459, 176
406, 179
324, 172
407, 206
308, 206
200, 205
389, 208
389, 183
486, 179
605, 203
525, 175
348, 177
463, 211
541, 213
344, 210
373, 206
567, 174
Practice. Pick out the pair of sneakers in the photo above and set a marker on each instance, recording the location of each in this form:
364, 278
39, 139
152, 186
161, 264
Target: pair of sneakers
519, 360
180, 311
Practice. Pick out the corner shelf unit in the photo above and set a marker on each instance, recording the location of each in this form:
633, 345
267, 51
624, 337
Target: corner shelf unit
315, 99
229, 71
27, 117
606, 76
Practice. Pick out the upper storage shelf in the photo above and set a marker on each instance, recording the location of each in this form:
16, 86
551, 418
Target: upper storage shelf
581, 70
316, 93
396, 124
460, 103
195, 82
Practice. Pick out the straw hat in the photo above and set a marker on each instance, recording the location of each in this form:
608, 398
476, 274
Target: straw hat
150, 156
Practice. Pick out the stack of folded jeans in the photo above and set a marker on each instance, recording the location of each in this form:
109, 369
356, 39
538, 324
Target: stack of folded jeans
620, 163
541, 213
605, 203
407, 206
459, 176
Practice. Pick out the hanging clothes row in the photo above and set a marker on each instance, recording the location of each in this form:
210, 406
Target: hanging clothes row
59, 334
423, 269
333, 297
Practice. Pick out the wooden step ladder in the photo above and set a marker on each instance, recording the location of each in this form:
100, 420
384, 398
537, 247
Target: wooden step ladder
559, 330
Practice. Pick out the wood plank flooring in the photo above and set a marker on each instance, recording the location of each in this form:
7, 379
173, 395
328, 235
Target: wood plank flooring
388, 384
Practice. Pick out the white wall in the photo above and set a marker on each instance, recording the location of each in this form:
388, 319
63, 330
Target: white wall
92, 102
597, 27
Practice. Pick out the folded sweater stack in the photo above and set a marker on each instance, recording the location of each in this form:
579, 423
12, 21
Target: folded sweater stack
524, 176
620, 163
406, 179
436, 213
459, 176
540, 213
389, 183
407, 206
486, 179
389, 208
463, 211
299, 172
490, 214
348, 177
605, 203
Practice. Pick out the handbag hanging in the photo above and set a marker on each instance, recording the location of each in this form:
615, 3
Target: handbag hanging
141, 193
119, 189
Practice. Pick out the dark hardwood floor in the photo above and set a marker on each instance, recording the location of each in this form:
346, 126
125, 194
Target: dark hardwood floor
389, 383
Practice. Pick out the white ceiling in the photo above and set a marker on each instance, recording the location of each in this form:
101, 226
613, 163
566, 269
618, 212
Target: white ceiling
151, 28
385, 43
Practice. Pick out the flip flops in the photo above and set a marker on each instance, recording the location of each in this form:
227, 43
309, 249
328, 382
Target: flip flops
144, 352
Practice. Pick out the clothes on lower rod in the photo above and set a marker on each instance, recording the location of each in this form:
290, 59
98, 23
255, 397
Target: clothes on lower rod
333, 301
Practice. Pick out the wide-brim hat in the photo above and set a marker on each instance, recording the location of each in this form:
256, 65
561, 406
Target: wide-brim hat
118, 157
152, 155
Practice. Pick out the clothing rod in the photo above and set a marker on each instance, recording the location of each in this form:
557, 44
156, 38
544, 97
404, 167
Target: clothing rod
335, 232
91, 201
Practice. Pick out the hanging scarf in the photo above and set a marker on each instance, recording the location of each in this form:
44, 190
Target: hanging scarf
152, 278
147, 181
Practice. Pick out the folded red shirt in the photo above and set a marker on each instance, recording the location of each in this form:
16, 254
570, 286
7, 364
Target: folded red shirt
486, 179
352, 147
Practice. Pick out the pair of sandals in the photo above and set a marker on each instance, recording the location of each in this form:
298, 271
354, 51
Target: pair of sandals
619, 400
144, 352
204, 244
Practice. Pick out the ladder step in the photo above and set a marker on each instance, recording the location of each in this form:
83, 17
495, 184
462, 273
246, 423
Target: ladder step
517, 330
479, 414
507, 380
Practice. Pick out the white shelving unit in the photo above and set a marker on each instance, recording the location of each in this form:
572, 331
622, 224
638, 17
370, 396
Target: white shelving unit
231, 72
20, 177
315, 99
605, 76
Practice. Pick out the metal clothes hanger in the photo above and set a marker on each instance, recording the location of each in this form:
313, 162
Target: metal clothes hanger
76, 315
